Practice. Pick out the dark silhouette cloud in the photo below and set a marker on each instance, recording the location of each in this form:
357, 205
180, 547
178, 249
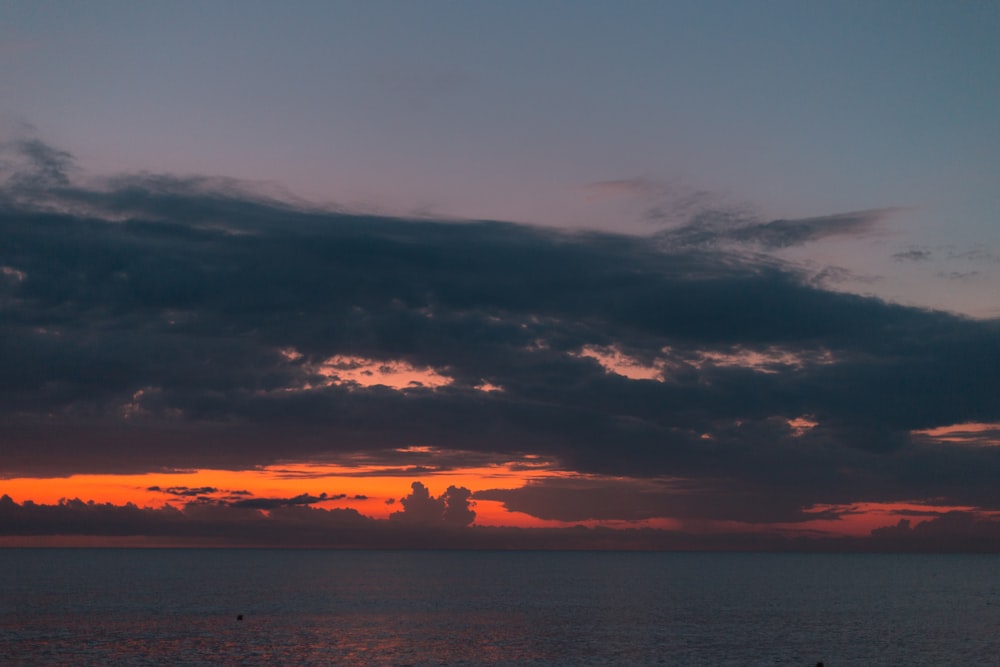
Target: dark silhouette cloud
954, 531
184, 491
457, 507
274, 503
583, 499
153, 323
450, 508
302, 526
420, 506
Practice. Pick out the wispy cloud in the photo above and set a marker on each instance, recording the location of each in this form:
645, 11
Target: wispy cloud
301, 500
710, 229
960, 275
29, 164
914, 255
975, 255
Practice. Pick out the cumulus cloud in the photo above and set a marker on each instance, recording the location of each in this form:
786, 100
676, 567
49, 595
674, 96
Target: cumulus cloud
451, 508
148, 324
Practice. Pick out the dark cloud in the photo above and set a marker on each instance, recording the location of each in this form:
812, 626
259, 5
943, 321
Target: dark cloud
208, 523
185, 491
300, 500
838, 275
418, 461
294, 524
450, 508
955, 531
301, 526
156, 323
583, 499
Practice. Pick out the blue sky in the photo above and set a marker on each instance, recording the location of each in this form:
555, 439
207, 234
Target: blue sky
510, 110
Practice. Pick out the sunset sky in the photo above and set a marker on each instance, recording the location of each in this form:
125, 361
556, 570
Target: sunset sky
671, 275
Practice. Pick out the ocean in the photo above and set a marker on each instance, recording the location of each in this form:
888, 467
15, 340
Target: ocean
182, 606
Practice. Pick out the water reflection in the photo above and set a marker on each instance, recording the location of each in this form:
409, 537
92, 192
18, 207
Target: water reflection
330, 608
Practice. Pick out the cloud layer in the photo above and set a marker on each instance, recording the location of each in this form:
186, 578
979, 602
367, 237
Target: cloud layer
203, 524
158, 323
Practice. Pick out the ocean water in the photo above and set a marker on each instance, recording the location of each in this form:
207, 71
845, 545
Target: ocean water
179, 607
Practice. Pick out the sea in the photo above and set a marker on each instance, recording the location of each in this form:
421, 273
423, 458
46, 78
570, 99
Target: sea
250, 607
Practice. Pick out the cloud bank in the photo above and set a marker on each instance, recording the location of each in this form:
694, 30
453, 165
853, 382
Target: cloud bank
200, 524
157, 323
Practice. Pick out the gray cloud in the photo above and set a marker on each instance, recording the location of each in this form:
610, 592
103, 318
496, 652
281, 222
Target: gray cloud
29, 164
713, 228
160, 323
959, 275
913, 256
185, 491
976, 255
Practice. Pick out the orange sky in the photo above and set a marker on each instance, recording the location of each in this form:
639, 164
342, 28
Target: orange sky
381, 488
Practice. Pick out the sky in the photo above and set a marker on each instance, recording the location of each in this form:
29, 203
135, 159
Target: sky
672, 275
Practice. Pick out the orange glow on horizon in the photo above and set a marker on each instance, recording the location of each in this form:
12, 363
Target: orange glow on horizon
372, 490
375, 491
862, 518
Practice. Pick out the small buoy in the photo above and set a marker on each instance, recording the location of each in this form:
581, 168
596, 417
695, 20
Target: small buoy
239, 617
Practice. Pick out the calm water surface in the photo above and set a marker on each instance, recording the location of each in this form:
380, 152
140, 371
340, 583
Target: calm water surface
179, 607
